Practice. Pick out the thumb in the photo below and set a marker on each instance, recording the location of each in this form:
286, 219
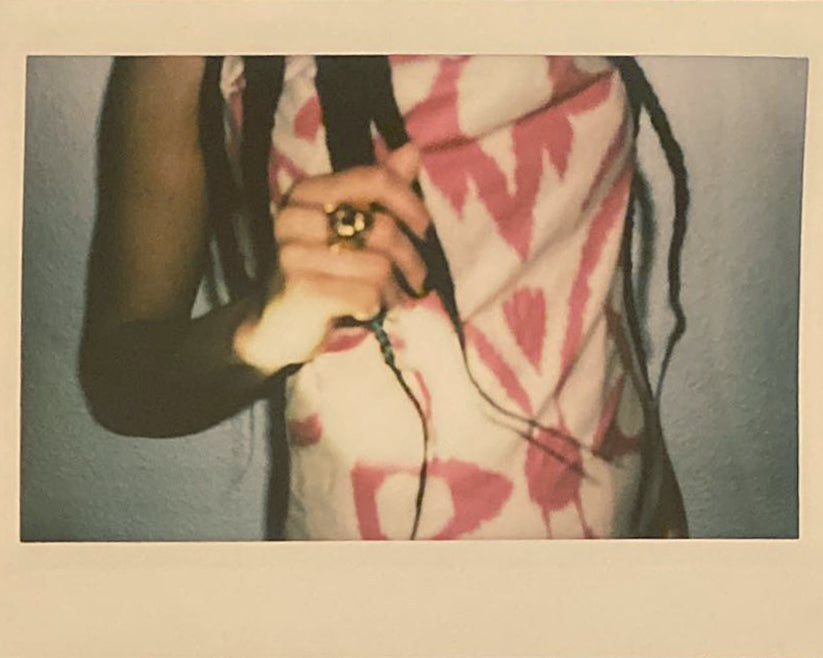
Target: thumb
405, 162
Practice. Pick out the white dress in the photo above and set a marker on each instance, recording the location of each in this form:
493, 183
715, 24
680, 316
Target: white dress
526, 168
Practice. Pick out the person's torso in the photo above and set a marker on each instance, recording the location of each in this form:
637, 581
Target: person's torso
526, 166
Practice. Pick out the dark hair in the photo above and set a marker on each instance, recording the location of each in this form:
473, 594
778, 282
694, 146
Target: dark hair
355, 92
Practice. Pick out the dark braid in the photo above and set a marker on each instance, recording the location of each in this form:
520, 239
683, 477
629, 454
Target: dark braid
264, 84
352, 92
223, 198
642, 96
655, 462
263, 87
387, 351
648, 237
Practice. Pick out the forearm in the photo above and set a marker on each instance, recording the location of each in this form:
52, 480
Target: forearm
169, 378
146, 367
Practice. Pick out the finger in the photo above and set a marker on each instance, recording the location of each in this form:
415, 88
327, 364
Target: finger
389, 239
337, 298
404, 162
307, 226
349, 268
365, 185
303, 259
297, 223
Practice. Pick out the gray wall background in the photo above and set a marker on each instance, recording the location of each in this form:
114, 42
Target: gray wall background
729, 404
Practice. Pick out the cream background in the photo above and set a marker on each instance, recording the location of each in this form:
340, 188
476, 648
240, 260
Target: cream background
252, 599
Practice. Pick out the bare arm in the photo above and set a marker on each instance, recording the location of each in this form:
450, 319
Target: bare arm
147, 368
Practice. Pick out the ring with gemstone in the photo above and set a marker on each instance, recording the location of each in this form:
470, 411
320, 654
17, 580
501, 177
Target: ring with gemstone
349, 225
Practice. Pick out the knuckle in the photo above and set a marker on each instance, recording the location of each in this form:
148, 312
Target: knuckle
379, 178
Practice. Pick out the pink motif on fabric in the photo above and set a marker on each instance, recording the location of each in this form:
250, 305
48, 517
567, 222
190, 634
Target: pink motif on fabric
453, 159
280, 161
305, 432
553, 472
607, 218
366, 480
525, 313
567, 79
502, 370
426, 401
477, 495
553, 475
308, 119
397, 343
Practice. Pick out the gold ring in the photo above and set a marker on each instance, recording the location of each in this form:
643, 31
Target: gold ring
349, 225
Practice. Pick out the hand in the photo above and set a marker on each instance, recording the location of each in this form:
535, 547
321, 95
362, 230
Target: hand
315, 286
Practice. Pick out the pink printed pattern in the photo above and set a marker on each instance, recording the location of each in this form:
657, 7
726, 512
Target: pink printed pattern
530, 341
607, 219
554, 474
504, 373
525, 313
308, 119
425, 395
453, 159
477, 495
553, 467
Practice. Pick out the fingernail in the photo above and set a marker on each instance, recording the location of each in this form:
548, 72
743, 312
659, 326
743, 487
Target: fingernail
365, 316
423, 292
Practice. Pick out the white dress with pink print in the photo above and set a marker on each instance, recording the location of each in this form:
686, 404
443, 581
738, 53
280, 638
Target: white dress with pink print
526, 168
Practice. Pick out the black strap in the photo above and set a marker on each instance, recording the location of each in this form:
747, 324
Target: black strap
222, 193
642, 95
342, 86
264, 84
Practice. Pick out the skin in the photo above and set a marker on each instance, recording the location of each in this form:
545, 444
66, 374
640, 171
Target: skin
146, 367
